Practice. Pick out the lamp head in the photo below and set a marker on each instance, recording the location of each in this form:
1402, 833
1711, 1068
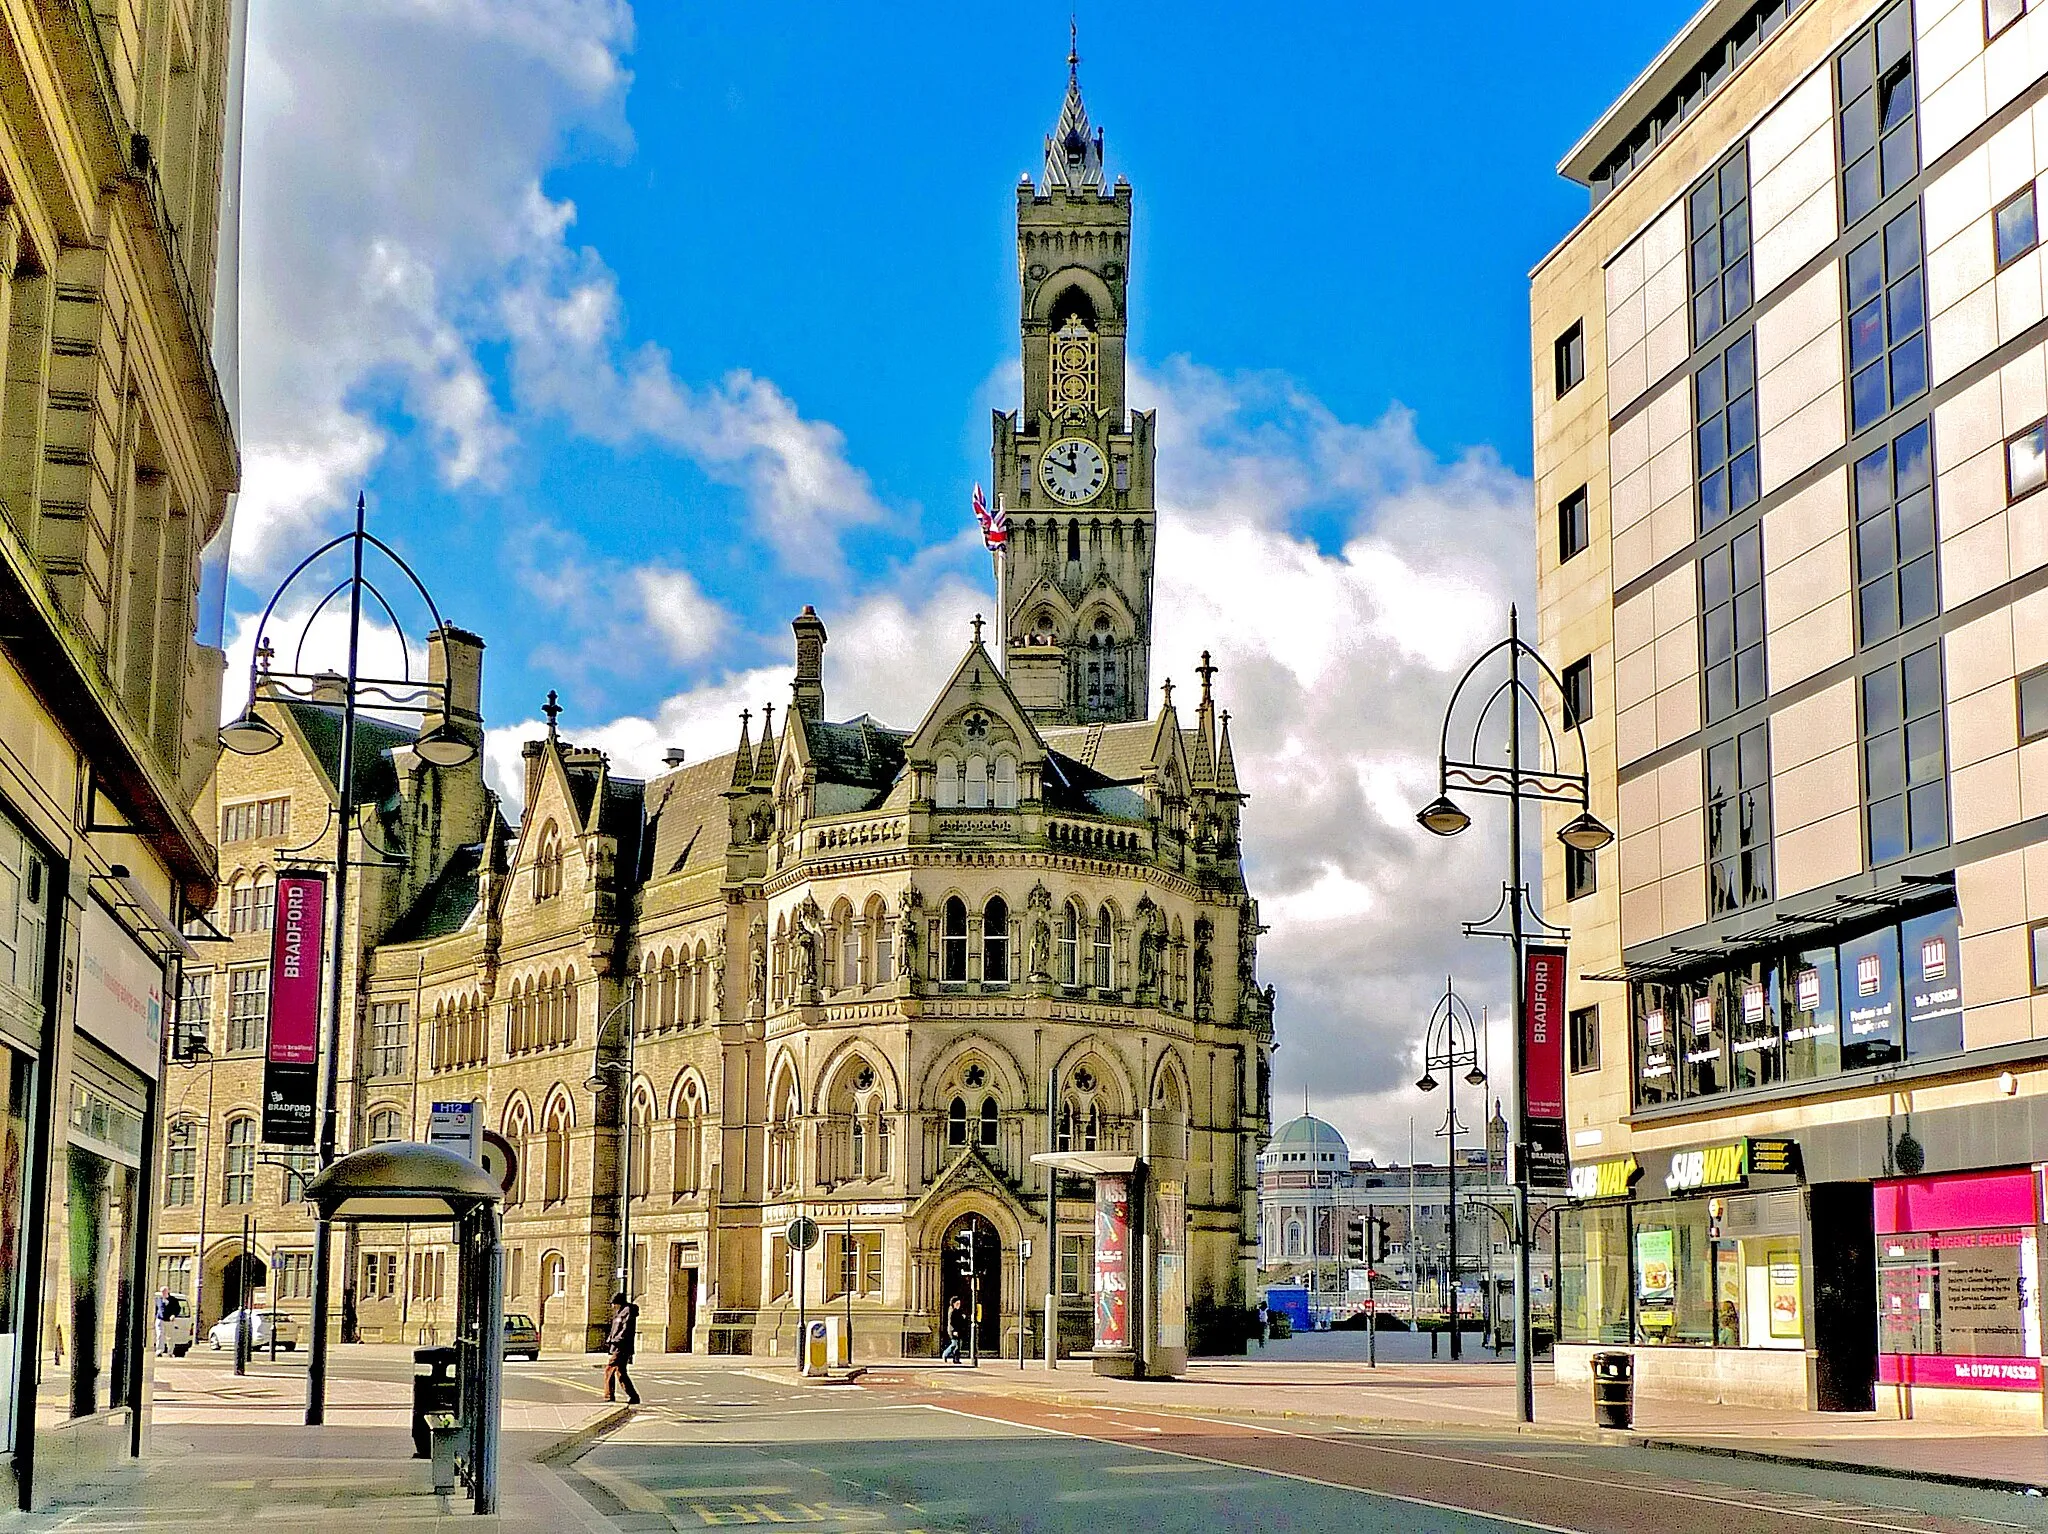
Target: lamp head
1442, 817
594, 1084
1427, 1083
442, 747
1586, 834
250, 734
1475, 1077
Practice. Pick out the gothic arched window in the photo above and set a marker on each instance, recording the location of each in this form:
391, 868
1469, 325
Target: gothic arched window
995, 942
956, 1122
953, 942
1071, 928
1103, 931
991, 1119
977, 782
1003, 792
949, 782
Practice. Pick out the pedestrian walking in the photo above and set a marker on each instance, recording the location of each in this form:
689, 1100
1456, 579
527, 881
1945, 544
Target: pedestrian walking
1265, 1326
618, 1343
167, 1308
956, 1331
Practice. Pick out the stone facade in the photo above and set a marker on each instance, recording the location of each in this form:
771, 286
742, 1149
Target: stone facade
851, 971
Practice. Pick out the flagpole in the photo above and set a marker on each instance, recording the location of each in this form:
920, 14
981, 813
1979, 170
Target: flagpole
995, 558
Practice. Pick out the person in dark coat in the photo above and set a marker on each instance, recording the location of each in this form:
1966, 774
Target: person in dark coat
956, 1331
618, 1343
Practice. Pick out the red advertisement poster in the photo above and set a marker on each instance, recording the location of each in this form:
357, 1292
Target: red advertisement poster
291, 1061
1543, 1027
1112, 1262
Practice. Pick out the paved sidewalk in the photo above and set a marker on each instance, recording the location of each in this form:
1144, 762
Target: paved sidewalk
234, 1451
1423, 1398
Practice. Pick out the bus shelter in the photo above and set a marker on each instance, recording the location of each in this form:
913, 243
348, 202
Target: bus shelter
399, 1183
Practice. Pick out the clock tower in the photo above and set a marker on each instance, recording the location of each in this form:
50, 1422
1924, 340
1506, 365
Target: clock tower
1074, 467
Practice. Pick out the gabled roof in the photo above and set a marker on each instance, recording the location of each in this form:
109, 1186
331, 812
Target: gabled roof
376, 780
1120, 752
859, 753
688, 824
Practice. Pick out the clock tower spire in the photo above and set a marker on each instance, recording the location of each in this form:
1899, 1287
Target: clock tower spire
1073, 467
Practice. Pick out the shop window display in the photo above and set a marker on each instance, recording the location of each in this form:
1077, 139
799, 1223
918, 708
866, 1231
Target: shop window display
1593, 1274
89, 1297
1958, 1279
1890, 994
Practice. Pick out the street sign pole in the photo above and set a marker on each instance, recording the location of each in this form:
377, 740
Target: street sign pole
973, 1298
1023, 1309
801, 1236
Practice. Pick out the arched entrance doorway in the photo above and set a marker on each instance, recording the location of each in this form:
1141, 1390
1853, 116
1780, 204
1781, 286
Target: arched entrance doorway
985, 1301
239, 1276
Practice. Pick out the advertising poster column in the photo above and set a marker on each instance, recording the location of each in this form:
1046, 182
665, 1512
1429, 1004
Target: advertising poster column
1170, 1285
291, 1065
1112, 1267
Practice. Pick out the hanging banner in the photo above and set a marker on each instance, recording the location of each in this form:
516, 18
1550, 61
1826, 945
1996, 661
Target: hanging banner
1545, 1160
1112, 1261
291, 1063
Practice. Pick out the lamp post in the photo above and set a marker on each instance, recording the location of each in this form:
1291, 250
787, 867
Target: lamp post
596, 1084
1449, 1042
251, 734
1515, 782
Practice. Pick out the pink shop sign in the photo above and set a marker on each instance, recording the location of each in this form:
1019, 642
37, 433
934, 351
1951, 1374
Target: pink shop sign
1959, 1372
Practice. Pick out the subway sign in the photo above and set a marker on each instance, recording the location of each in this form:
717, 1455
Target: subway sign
1604, 1179
1730, 1165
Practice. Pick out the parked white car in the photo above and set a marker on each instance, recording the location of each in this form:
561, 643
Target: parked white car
222, 1332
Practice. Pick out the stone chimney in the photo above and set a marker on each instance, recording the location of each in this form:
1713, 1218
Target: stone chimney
808, 690
455, 657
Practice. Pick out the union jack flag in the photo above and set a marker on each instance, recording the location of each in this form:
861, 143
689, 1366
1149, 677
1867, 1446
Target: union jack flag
995, 525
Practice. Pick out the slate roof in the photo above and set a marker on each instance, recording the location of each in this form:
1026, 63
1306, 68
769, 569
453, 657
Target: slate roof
1120, 752
376, 780
687, 825
445, 906
859, 753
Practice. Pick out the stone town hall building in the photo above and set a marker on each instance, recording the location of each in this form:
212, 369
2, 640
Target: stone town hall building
856, 956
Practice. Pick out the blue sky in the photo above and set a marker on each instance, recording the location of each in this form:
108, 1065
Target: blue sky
644, 326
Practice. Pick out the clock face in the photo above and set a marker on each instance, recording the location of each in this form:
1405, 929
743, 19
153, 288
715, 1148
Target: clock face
1073, 471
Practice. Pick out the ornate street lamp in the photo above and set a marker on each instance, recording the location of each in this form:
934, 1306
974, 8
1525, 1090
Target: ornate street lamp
1516, 781
250, 734
596, 1084
1451, 1039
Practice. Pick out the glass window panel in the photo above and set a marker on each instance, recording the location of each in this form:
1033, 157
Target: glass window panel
1866, 333
1713, 437
1721, 689
1895, 108
1755, 756
1704, 208
1931, 956
1749, 677
1902, 242
1706, 255
1912, 462
1717, 575
1873, 480
1870, 1000
1709, 389
1923, 682
1742, 364
1734, 185
1706, 312
1859, 129
1742, 479
1909, 369
1721, 779
1734, 236
1859, 188
1923, 750
1916, 524
1927, 815
1713, 498
2026, 461
1894, 35
1856, 69
1742, 422
1903, 303
1876, 541
1880, 701
1748, 559
1866, 271
1719, 637
1811, 1005
1867, 395
2015, 227
1918, 599
1878, 610
1888, 830
1736, 288
1884, 769
1749, 615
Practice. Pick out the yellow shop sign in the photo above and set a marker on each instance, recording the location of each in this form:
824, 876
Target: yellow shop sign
1604, 1179
1712, 1166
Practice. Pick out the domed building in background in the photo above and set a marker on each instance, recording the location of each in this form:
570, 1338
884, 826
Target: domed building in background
1302, 1170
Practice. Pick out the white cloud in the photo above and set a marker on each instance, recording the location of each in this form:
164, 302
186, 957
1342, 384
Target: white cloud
397, 230
688, 622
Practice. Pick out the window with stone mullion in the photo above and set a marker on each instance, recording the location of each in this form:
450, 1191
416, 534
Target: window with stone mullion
1897, 585
1877, 137
1887, 321
1724, 441
1732, 625
1718, 218
1739, 821
1905, 757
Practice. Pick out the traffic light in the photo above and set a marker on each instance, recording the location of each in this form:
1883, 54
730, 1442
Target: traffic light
1376, 1240
964, 1241
1354, 1240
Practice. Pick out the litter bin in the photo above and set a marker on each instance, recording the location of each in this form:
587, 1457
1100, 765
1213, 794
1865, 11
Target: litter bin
434, 1389
1614, 1390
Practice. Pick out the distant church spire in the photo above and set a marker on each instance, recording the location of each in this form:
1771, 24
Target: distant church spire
1073, 156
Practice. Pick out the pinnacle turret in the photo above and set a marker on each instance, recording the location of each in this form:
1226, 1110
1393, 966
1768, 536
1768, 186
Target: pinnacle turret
1073, 156
764, 762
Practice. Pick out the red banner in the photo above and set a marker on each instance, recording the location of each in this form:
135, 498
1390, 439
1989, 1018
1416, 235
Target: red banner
1543, 1026
293, 1055
1112, 1262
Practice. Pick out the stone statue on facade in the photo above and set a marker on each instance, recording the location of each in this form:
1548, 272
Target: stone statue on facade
1204, 983
810, 933
757, 958
718, 977
1041, 949
909, 921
